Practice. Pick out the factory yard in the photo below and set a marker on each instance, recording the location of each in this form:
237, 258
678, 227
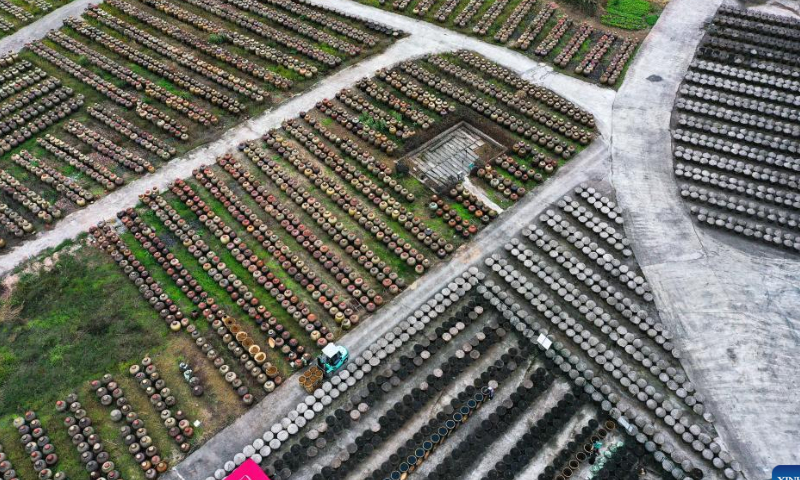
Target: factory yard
556, 240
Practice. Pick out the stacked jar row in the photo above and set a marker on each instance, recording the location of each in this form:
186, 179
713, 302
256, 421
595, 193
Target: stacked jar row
184, 57
537, 436
163, 401
454, 220
44, 117
581, 445
51, 176
544, 118
488, 109
19, 77
446, 9
29, 199
65, 152
163, 70
473, 447
592, 59
291, 23
596, 224
134, 435
502, 184
162, 121
129, 77
41, 452
88, 443
106, 148
236, 61
14, 223
365, 216
17, 12
354, 285
394, 419
489, 16
335, 305
445, 426
585, 378
575, 42
104, 87
230, 332
352, 149
311, 12
192, 378
353, 245
376, 391
6, 467
34, 110
665, 407
140, 137
239, 292
464, 17
542, 95
344, 169
416, 116
354, 125
618, 62
27, 97
511, 23
151, 289
299, 44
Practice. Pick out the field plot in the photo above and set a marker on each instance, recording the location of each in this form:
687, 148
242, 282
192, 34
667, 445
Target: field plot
735, 126
132, 84
544, 359
583, 42
250, 266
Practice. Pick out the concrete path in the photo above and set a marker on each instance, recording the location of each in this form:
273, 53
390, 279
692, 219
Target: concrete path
478, 192
39, 28
733, 311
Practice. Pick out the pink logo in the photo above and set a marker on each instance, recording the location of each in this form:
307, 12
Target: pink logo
249, 470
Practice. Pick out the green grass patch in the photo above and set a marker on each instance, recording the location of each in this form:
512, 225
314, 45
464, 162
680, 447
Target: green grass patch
63, 327
629, 14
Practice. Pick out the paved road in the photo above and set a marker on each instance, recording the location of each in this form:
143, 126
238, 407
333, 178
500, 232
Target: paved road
39, 28
733, 312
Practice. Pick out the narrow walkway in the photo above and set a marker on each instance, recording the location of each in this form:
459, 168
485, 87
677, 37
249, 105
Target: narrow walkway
734, 314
